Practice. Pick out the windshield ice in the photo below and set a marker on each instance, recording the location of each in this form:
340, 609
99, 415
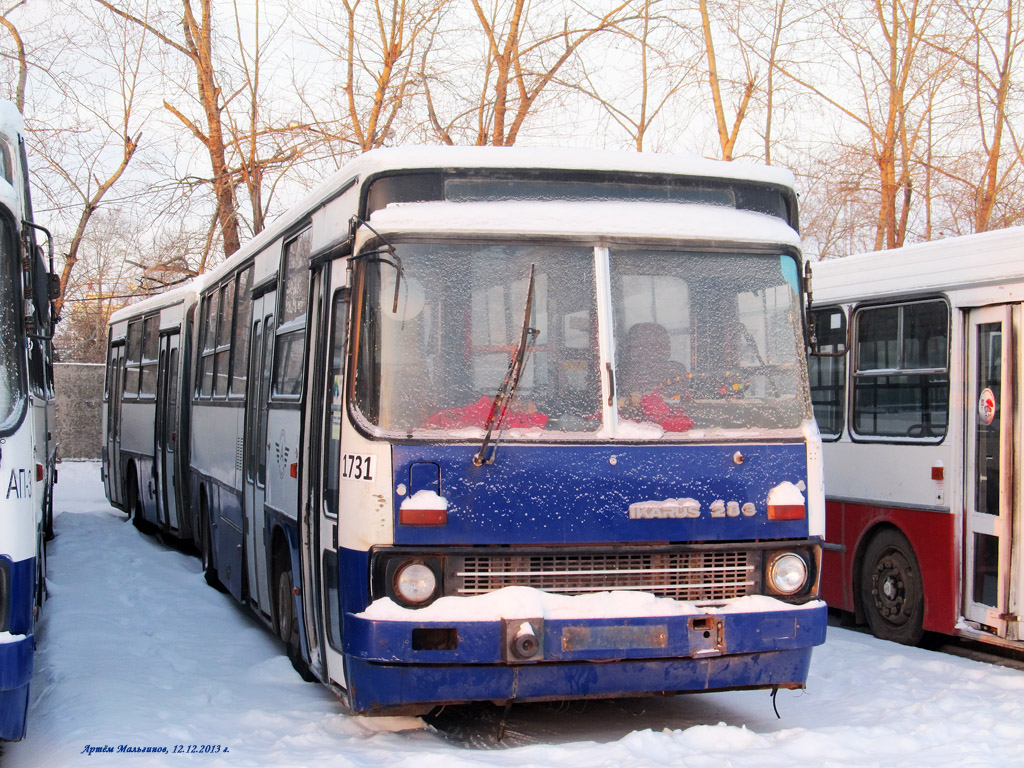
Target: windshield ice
703, 341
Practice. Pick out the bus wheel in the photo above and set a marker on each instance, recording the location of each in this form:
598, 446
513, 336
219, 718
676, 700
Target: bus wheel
206, 550
286, 623
135, 501
48, 513
892, 593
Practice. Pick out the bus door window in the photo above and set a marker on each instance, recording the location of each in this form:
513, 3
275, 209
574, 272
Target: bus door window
260, 405
333, 400
988, 459
333, 412
989, 497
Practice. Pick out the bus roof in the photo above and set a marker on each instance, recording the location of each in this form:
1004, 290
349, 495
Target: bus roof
168, 298
381, 161
971, 261
601, 219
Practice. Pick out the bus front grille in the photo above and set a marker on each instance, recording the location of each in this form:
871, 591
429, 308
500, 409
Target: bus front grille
695, 576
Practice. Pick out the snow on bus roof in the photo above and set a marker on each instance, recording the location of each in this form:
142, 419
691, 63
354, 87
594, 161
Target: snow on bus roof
11, 121
444, 157
161, 300
591, 219
424, 157
988, 258
11, 125
447, 158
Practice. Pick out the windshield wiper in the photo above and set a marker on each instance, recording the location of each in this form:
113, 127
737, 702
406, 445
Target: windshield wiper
507, 391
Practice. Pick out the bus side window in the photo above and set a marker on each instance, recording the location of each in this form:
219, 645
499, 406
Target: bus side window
826, 367
207, 345
133, 359
148, 365
240, 343
222, 349
295, 276
901, 371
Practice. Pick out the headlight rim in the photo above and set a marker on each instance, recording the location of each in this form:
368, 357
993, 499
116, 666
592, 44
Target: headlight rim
771, 572
400, 568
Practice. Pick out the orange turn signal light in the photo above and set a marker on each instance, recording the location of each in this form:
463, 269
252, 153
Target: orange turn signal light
409, 516
787, 511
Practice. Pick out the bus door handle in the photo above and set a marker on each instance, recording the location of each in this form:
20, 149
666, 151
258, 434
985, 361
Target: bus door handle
611, 383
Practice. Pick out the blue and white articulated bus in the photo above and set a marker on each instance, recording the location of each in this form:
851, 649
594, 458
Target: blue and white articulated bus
476, 424
27, 450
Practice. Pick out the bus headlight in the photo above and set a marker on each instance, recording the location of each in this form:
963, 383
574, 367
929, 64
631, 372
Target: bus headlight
414, 583
787, 573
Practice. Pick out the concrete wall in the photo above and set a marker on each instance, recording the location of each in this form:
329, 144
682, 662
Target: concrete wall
79, 388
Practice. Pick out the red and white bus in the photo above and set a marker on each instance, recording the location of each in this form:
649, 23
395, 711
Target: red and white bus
916, 383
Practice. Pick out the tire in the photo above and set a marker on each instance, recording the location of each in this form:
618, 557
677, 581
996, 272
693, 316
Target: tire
48, 514
891, 589
206, 551
286, 623
135, 502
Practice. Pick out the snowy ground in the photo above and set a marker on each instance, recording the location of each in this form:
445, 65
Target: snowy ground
136, 650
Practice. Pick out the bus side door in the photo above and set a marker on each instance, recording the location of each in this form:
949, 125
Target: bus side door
261, 357
115, 370
167, 430
322, 465
989, 500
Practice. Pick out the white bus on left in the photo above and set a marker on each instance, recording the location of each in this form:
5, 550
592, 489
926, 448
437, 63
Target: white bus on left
27, 449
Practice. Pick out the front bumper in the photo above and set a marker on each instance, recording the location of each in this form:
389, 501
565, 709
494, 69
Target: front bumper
394, 664
15, 674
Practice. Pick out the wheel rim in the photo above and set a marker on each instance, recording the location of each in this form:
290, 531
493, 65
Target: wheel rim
891, 588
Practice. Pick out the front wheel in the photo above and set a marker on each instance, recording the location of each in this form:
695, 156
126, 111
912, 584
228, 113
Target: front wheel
891, 588
287, 623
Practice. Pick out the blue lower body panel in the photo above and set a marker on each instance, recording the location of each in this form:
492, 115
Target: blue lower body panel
15, 673
402, 664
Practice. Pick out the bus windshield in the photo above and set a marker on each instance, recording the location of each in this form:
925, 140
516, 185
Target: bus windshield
702, 342
11, 397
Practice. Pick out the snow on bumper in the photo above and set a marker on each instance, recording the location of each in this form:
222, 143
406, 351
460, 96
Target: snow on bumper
746, 625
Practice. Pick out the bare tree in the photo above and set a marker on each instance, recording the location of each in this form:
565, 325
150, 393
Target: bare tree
197, 46
994, 35
887, 65
727, 134
19, 47
264, 151
638, 72
373, 47
527, 46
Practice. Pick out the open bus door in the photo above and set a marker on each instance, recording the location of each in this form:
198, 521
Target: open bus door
992, 442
